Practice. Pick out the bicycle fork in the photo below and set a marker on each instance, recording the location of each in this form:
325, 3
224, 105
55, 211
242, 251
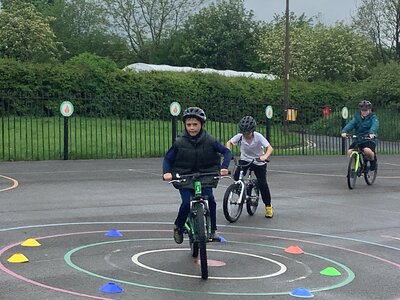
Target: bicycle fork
242, 189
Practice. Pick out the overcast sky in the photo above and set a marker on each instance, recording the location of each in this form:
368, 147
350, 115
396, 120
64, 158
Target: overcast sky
329, 11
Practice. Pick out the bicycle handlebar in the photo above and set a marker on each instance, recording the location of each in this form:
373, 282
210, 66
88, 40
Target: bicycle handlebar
248, 163
353, 136
195, 176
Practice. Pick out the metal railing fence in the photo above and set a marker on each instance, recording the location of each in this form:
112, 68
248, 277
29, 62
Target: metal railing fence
32, 127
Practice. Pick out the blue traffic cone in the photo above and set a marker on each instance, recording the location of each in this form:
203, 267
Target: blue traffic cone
301, 293
222, 239
113, 232
111, 287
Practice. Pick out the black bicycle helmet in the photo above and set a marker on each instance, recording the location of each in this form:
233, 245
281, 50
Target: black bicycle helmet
194, 112
365, 104
247, 124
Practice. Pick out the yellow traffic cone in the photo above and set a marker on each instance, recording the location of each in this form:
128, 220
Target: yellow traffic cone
30, 243
18, 258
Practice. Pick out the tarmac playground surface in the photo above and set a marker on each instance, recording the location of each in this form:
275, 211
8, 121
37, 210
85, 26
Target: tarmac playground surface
105, 232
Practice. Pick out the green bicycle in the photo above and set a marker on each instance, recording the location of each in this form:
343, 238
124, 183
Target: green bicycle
198, 224
358, 167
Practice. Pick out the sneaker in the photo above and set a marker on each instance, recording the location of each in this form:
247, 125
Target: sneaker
214, 236
178, 235
366, 167
372, 165
269, 211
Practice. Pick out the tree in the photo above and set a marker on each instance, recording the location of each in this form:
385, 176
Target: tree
145, 23
82, 26
380, 20
26, 34
221, 36
318, 52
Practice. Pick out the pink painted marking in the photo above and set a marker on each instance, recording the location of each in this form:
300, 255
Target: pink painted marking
211, 263
8, 271
323, 244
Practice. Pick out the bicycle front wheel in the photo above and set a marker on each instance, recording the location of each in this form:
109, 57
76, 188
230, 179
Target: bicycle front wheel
370, 176
352, 172
253, 195
232, 204
202, 238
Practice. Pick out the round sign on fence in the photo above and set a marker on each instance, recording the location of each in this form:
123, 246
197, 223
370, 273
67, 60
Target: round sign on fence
66, 109
345, 113
175, 109
269, 112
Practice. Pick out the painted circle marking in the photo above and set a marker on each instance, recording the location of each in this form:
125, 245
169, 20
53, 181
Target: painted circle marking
9, 272
283, 268
13, 186
67, 259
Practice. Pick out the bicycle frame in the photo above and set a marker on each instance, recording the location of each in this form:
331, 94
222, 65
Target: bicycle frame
241, 192
358, 163
202, 200
358, 166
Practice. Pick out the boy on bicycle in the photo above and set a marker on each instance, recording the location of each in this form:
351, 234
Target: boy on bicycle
366, 124
254, 145
195, 151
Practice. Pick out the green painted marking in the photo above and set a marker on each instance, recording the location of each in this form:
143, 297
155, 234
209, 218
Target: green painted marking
67, 258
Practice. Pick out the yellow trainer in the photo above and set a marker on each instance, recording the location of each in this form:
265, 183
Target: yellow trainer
269, 211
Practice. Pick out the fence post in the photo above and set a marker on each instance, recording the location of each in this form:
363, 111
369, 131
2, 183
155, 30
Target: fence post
343, 139
66, 109
175, 110
269, 112
65, 138
173, 129
345, 115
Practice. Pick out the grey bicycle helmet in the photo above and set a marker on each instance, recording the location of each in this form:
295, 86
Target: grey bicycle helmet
247, 124
194, 112
365, 104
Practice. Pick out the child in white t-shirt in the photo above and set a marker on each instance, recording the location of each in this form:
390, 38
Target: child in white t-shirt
254, 145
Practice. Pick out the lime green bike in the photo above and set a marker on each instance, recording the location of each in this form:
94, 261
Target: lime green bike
198, 224
358, 166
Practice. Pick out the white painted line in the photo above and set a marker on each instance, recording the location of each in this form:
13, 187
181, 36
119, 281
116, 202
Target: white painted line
283, 268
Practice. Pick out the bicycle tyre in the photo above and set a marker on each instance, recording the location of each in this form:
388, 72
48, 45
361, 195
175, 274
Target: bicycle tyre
232, 205
253, 194
351, 172
370, 176
202, 239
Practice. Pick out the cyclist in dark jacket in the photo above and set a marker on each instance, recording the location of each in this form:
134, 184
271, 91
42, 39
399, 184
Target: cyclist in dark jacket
366, 124
195, 151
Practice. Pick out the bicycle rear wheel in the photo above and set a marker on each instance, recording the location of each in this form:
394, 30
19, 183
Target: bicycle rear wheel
253, 195
202, 238
232, 204
352, 172
370, 176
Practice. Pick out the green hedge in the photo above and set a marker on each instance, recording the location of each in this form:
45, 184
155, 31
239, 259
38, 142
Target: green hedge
101, 82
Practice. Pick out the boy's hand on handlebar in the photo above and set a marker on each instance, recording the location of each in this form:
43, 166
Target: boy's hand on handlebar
224, 172
167, 176
263, 158
343, 134
371, 135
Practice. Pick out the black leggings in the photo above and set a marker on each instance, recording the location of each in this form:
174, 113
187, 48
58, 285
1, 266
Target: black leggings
261, 175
